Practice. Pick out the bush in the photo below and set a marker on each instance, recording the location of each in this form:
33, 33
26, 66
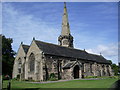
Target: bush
25, 80
91, 77
18, 76
14, 79
5, 77
52, 77
115, 77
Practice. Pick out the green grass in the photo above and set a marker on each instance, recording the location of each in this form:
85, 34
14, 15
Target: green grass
102, 83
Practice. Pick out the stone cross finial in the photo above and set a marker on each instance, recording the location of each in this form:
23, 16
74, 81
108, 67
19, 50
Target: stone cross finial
33, 38
84, 49
21, 42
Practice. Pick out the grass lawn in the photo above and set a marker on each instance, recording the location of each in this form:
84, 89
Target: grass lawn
102, 83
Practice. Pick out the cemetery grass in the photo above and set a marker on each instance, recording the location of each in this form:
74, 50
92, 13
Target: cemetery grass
101, 83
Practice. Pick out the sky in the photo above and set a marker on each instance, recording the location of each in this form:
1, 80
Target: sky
94, 25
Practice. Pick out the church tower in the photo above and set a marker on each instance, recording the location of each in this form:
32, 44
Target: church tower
65, 39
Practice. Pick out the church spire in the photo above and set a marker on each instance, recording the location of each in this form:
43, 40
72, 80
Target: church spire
65, 39
65, 23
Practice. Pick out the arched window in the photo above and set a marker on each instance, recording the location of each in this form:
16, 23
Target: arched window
108, 71
32, 62
19, 65
91, 68
103, 67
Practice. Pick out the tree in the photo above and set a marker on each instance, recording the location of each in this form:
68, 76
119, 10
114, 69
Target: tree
110, 62
115, 69
7, 56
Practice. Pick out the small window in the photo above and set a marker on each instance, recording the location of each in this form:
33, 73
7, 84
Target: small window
19, 65
19, 70
91, 68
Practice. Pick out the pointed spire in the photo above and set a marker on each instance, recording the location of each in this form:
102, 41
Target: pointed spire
65, 39
65, 23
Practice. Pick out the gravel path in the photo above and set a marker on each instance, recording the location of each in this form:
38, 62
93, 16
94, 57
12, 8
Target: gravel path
64, 80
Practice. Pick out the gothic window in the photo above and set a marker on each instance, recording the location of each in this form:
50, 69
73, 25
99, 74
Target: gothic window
32, 62
91, 68
108, 70
82, 67
103, 69
19, 65
19, 70
23, 70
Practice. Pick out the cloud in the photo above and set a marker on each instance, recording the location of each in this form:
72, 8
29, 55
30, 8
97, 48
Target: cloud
109, 51
23, 27
34, 21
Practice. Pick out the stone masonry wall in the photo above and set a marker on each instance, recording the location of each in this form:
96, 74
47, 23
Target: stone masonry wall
37, 75
21, 55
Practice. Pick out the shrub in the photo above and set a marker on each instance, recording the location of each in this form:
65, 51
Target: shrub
91, 77
52, 77
14, 79
115, 77
5, 77
18, 76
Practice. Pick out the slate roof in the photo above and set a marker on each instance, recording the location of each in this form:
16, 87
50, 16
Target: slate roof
25, 48
52, 49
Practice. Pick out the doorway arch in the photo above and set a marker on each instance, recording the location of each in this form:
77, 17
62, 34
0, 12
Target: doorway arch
76, 72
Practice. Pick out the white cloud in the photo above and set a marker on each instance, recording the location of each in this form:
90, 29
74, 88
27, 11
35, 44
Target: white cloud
108, 51
23, 27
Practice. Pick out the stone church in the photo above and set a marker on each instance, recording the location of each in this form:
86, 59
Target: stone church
39, 60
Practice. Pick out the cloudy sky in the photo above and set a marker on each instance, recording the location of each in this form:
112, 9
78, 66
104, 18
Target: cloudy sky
94, 25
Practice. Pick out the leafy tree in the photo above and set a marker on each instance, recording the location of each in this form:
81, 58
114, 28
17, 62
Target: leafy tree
114, 67
7, 56
119, 68
110, 61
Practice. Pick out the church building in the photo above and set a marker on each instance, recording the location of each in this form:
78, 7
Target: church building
40, 60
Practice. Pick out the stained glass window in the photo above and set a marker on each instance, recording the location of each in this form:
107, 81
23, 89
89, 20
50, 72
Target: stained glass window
19, 65
32, 62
